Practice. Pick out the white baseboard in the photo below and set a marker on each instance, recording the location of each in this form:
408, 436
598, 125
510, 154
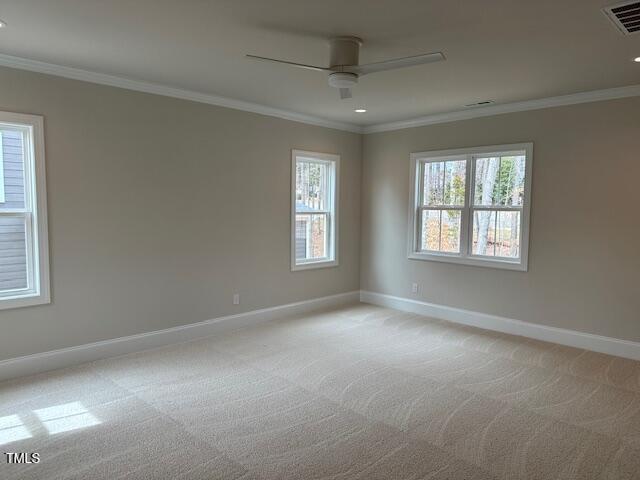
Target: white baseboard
42, 362
572, 338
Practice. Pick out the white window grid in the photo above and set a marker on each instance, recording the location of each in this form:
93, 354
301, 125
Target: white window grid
465, 255
329, 210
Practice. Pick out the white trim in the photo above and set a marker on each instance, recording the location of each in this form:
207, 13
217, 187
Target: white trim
332, 212
563, 336
42, 362
38, 291
445, 117
477, 112
312, 265
164, 90
465, 256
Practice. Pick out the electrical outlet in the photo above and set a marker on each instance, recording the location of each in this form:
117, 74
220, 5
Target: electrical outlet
236, 299
414, 288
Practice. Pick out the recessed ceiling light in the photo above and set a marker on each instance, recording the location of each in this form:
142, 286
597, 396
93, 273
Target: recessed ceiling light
637, 59
360, 110
2, 23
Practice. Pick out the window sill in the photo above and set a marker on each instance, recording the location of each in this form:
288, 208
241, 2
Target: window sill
471, 261
24, 300
314, 265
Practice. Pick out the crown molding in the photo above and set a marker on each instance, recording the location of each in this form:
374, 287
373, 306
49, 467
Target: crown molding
158, 89
572, 99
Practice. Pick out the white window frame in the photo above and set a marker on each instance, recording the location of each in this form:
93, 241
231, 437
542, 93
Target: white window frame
35, 211
330, 260
466, 257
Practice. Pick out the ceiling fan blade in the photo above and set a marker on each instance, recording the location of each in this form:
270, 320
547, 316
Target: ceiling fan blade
292, 64
345, 93
397, 63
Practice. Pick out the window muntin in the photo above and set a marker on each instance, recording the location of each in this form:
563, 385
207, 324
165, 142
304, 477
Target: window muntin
314, 200
23, 232
471, 206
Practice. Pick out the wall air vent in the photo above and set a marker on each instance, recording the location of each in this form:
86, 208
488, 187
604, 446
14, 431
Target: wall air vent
479, 104
625, 16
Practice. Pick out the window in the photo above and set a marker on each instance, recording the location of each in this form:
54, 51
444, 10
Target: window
24, 264
471, 206
314, 218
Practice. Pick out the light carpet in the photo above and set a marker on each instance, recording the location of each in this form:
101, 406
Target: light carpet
360, 392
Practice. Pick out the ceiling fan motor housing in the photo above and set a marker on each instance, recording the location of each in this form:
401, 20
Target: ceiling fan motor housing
343, 79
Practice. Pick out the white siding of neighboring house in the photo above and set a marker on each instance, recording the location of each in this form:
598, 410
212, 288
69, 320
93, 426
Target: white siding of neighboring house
301, 239
13, 260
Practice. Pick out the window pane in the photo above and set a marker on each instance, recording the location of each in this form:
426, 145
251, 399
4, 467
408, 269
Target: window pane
454, 182
441, 230
433, 183
450, 231
311, 186
508, 234
486, 181
496, 233
311, 236
499, 181
13, 253
301, 237
12, 169
430, 238
484, 233
511, 189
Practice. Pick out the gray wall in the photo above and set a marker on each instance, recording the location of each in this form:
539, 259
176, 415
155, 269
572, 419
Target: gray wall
154, 202
585, 225
160, 209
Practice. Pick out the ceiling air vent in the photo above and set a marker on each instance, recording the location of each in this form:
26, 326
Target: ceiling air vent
625, 16
479, 104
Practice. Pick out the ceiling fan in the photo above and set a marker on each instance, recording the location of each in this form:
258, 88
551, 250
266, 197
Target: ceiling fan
344, 69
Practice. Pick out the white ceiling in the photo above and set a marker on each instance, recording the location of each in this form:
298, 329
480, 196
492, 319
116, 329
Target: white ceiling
501, 50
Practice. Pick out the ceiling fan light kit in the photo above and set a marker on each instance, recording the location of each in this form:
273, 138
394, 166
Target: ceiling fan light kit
344, 63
